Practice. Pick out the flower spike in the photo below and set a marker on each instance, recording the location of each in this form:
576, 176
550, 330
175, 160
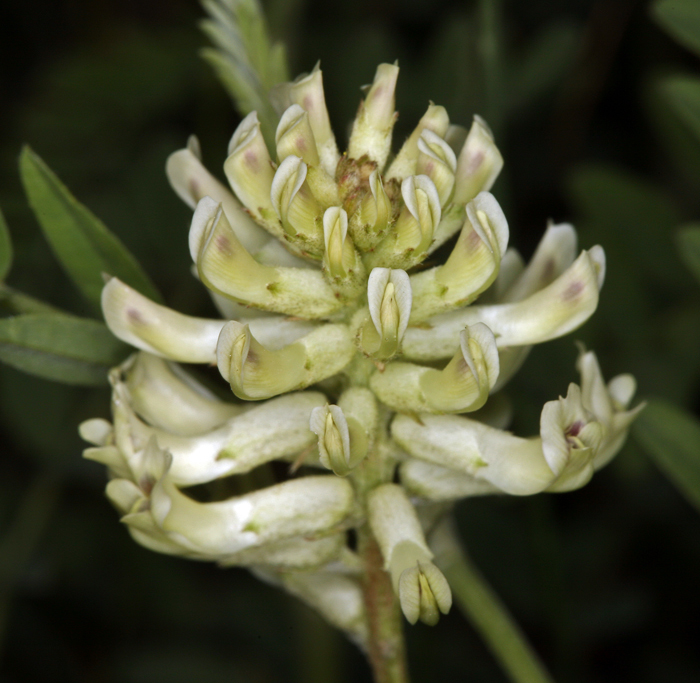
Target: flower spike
347, 357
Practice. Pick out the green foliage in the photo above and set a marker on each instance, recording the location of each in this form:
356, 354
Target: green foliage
81, 242
60, 347
245, 60
672, 437
683, 94
680, 19
688, 241
5, 249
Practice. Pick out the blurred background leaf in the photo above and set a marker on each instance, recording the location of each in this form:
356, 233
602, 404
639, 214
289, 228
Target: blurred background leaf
81, 242
683, 94
688, 241
60, 348
672, 437
5, 248
681, 19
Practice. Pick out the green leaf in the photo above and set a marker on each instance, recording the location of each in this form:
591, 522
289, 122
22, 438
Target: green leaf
61, 348
683, 94
14, 302
81, 242
672, 439
5, 249
681, 20
688, 242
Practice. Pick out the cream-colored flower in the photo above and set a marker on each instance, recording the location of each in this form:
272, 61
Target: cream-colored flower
348, 360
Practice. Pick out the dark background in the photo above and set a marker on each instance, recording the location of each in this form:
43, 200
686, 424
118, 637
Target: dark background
603, 580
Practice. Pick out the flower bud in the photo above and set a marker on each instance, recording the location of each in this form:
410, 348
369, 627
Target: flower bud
435, 120
371, 218
254, 372
465, 383
421, 215
249, 169
308, 93
437, 160
462, 386
471, 267
372, 128
407, 558
339, 255
555, 310
407, 243
342, 442
478, 165
294, 136
191, 180
424, 593
296, 206
570, 440
389, 298
331, 427
228, 269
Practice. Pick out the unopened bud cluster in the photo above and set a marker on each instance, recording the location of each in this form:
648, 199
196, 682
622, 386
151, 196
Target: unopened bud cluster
313, 262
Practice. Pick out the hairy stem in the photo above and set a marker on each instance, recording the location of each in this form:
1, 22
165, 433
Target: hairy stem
386, 647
